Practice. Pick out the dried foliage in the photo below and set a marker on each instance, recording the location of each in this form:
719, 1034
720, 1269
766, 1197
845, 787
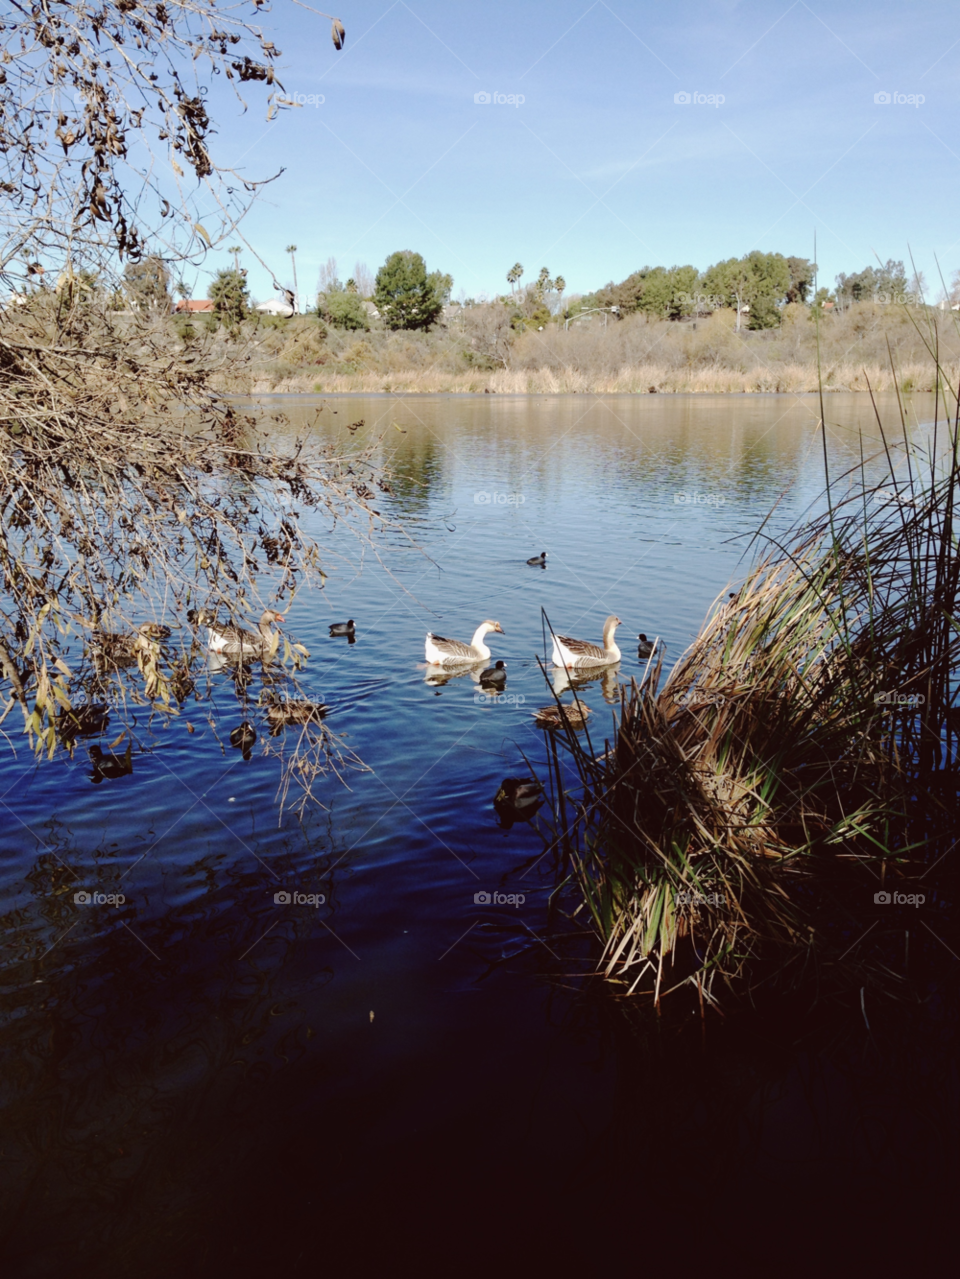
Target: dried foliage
128, 490
104, 113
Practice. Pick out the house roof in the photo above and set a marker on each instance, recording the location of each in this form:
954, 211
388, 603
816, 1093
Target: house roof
194, 304
275, 307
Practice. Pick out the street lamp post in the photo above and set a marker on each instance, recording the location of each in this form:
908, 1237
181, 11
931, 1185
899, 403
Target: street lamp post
612, 310
292, 250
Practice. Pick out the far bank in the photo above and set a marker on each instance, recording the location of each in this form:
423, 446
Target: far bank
871, 347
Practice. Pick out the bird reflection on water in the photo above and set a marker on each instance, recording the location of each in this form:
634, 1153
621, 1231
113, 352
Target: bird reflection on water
608, 678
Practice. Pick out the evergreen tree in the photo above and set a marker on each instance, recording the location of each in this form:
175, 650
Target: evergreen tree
231, 300
405, 295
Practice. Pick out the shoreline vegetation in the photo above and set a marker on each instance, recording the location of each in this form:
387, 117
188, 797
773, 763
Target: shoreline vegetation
756, 324
872, 347
759, 811
642, 380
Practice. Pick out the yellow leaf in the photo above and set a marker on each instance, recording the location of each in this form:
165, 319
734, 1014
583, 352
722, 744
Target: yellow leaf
202, 231
62, 666
115, 744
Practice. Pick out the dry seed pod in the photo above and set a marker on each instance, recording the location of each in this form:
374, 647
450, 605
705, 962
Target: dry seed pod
338, 34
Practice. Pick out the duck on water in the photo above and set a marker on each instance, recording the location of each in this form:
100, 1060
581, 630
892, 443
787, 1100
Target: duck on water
575, 654
494, 676
233, 641
446, 652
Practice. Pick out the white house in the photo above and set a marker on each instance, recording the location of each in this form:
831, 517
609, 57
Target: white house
274, 307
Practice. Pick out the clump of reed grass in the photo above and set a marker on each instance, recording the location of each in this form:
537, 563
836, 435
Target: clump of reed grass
802, 753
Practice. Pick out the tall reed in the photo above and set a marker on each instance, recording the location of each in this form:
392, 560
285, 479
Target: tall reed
801, 755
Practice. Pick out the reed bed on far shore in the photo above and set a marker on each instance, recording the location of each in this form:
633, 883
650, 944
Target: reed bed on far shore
800, 758
641, 379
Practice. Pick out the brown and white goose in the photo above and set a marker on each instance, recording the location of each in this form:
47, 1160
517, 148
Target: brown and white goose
575, 654
446, 652
232, 641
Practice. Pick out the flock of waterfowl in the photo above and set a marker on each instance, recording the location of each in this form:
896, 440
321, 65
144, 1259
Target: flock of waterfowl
572, 656
518, 796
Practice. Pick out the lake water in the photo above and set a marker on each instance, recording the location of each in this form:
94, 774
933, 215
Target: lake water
203, 1078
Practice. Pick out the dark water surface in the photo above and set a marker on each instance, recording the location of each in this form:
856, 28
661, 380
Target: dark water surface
206, 1080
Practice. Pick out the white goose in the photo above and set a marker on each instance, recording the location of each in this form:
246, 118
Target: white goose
575, 654
446, 652
235, 642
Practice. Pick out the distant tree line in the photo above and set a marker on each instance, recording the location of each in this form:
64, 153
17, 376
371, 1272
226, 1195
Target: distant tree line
757, 286
405, 295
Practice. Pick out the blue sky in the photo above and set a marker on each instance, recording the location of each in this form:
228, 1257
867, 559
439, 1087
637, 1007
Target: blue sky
599, 170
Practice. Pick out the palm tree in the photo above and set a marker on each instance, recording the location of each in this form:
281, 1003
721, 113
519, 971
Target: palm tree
513, 275
292, 250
